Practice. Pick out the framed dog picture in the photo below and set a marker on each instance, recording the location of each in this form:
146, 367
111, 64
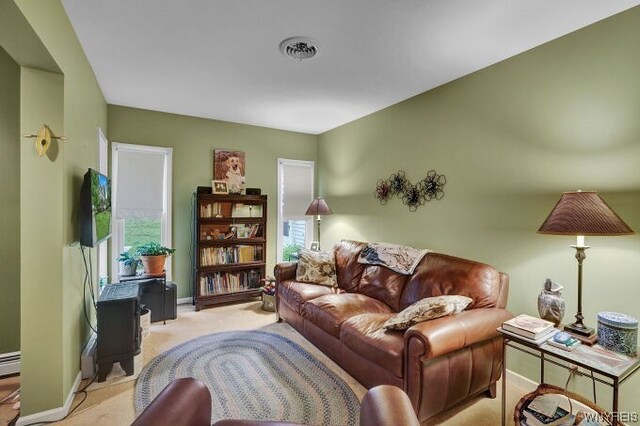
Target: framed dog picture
314, 246
228, 166
219, 187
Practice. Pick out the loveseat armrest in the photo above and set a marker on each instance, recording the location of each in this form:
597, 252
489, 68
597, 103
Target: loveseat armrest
285, 271
448, 334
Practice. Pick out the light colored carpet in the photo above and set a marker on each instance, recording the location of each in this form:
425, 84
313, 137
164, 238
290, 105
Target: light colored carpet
114, 405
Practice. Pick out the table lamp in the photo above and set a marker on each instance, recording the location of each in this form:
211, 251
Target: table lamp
317, 208
582, 213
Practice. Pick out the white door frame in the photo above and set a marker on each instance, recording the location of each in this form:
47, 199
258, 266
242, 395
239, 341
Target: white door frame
103, 248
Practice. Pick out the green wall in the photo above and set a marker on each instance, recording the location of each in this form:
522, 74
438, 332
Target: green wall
10, 204
39, 36
41, 381
510, 139
193, 141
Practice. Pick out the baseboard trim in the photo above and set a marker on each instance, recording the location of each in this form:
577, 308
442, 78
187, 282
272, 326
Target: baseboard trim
185, 301
521, 381
54, 414
9, 363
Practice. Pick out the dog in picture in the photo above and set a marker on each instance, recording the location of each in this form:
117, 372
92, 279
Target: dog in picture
234, 176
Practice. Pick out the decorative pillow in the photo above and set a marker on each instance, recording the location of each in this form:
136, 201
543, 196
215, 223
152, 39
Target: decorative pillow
427, 309
316, 267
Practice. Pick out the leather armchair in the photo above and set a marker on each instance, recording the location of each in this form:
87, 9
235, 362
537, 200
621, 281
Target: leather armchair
184, 401
187, 402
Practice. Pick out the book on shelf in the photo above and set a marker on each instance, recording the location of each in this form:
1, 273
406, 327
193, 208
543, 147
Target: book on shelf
215, 210
255, 231
538, 342
528, 326
249, 230
212, 256
229, 282
246, 210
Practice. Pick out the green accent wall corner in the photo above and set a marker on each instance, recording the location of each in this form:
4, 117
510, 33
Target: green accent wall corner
510, 139
10, 205
193, 141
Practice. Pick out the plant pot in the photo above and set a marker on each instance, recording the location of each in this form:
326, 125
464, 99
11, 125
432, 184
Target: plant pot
153, 265
125, 270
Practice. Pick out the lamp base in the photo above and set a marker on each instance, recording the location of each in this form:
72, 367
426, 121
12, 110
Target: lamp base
586, 335
579, 329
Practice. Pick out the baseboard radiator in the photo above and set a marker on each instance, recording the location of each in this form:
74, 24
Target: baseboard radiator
9, 363
88, 358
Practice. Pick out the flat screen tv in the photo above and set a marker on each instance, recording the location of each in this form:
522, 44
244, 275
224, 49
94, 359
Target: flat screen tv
95, 209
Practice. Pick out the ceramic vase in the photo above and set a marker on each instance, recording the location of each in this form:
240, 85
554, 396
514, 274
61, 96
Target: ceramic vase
550, 302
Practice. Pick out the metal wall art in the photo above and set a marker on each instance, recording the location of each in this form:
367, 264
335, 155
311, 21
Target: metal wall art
412, 195
43, 139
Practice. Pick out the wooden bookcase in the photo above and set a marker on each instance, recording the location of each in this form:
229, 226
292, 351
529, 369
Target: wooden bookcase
230, 248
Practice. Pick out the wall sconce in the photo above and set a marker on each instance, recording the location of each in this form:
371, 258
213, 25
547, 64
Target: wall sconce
43, 139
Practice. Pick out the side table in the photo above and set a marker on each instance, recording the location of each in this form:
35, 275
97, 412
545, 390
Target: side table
163, 282
597, 363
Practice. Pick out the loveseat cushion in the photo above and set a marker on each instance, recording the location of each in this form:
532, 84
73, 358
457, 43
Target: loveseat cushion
364, 335
330, 311
348, 270
295, 293
383, 284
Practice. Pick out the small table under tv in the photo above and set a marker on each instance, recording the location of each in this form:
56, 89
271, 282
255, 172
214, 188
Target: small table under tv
595, 362
163, 282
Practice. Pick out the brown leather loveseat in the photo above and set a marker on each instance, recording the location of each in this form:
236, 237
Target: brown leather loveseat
439, 363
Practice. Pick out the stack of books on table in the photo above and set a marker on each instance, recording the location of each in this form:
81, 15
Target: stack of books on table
564, 341
531, 329
544, 410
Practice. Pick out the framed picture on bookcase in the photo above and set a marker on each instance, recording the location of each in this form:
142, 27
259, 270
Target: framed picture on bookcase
219, 187
229, 166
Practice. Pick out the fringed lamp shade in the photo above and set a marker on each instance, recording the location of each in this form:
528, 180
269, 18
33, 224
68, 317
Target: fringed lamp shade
318, 207
583, 213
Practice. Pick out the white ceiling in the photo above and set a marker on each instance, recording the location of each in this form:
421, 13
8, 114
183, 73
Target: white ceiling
220, 59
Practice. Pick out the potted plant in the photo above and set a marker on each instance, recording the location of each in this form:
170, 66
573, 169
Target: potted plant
153, 257
127, 264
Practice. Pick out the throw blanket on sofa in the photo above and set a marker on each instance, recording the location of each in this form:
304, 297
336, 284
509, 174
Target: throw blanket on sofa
400, 259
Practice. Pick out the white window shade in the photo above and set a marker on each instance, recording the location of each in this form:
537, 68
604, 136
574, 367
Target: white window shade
140, 184
297, 190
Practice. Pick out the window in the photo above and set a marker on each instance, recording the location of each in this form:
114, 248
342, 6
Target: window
295, 193
103, 254
141, 198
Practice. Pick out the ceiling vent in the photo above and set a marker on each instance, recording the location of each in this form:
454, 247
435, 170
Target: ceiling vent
299, 48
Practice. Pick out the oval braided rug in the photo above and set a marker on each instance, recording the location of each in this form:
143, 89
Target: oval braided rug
254, 375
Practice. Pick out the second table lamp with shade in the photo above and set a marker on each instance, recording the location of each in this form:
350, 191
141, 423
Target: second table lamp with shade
583, 213
318, 208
